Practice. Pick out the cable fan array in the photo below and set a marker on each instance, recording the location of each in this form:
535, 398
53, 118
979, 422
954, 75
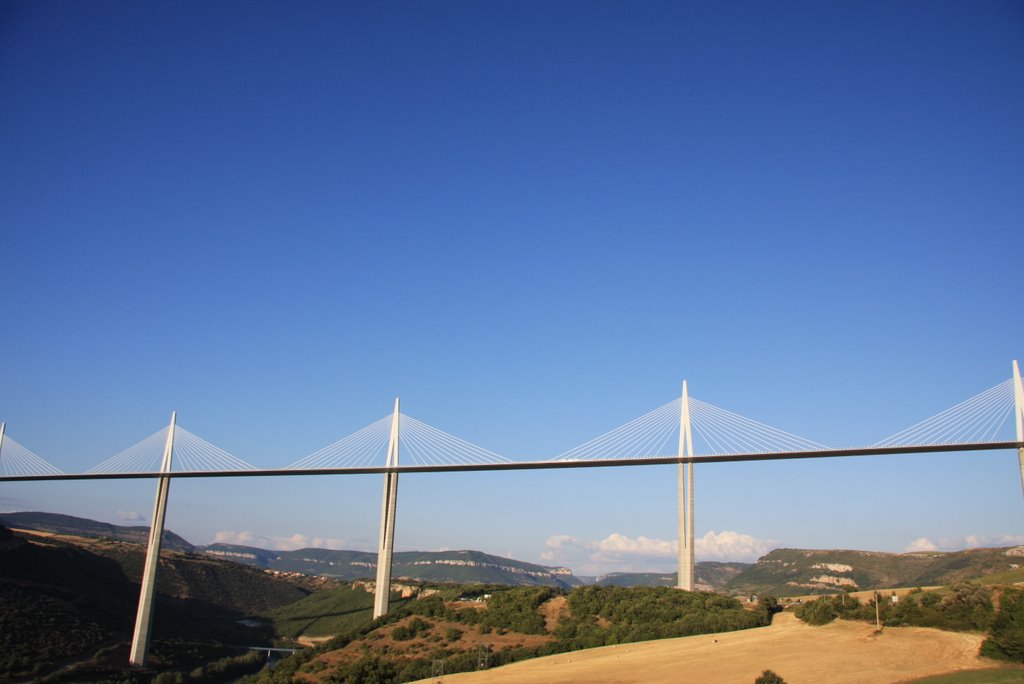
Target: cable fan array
191, 454
979, 419
426, 445
724, 432
17, 460
642, 437
358, 450
720, 432
420, 444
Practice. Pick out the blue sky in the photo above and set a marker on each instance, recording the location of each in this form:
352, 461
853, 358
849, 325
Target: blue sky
531, 221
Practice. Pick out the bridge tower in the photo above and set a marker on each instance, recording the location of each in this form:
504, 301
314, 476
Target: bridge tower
687, 567
3, 426
144, 615
386, 547
1018, 411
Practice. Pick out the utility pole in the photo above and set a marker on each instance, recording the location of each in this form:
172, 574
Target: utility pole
386, 547
144, 615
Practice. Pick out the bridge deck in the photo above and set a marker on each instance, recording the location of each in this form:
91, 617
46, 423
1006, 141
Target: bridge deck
535, 465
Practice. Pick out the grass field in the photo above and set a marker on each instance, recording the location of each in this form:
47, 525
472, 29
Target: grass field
326, 613
996, 676
1008, 577
839, 653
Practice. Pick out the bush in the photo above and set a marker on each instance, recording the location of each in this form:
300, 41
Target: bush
368, 669
413, 629
769, 677
1006, 641
820, 612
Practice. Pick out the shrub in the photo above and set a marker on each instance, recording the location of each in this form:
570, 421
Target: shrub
1006, 641
820, 612
769, 677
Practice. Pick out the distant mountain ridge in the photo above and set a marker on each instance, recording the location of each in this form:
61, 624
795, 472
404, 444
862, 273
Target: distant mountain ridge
781, 572
432, 566
795, 572
57, 523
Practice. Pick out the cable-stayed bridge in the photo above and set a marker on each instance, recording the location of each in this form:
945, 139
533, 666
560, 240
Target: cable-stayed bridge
982, 422
683, 431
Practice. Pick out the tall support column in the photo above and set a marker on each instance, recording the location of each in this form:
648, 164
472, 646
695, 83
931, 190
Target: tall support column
386, 548
3, 426
687, 567
1018, 410
144, 615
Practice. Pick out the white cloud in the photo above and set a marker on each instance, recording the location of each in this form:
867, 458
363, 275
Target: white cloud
292, 543
921, 544
619, 545
620, 553
130, 516
731, 546
971, 541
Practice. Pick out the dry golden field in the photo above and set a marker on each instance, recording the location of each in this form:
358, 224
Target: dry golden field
842, 652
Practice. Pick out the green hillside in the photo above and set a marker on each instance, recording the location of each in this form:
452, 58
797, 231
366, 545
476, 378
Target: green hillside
1015, 576
327, 613
711, 574
638, 579
510, 624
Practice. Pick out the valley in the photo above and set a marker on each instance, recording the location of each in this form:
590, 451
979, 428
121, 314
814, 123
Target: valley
459, 610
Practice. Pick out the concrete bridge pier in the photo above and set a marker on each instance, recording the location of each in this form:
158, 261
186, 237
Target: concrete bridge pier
687, 566
144, 615
1018, 411
386, 547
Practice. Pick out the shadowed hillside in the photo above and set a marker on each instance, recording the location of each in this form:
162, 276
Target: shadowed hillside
66, 600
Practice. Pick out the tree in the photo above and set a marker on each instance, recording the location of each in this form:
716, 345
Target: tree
820, 612
1006, 641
